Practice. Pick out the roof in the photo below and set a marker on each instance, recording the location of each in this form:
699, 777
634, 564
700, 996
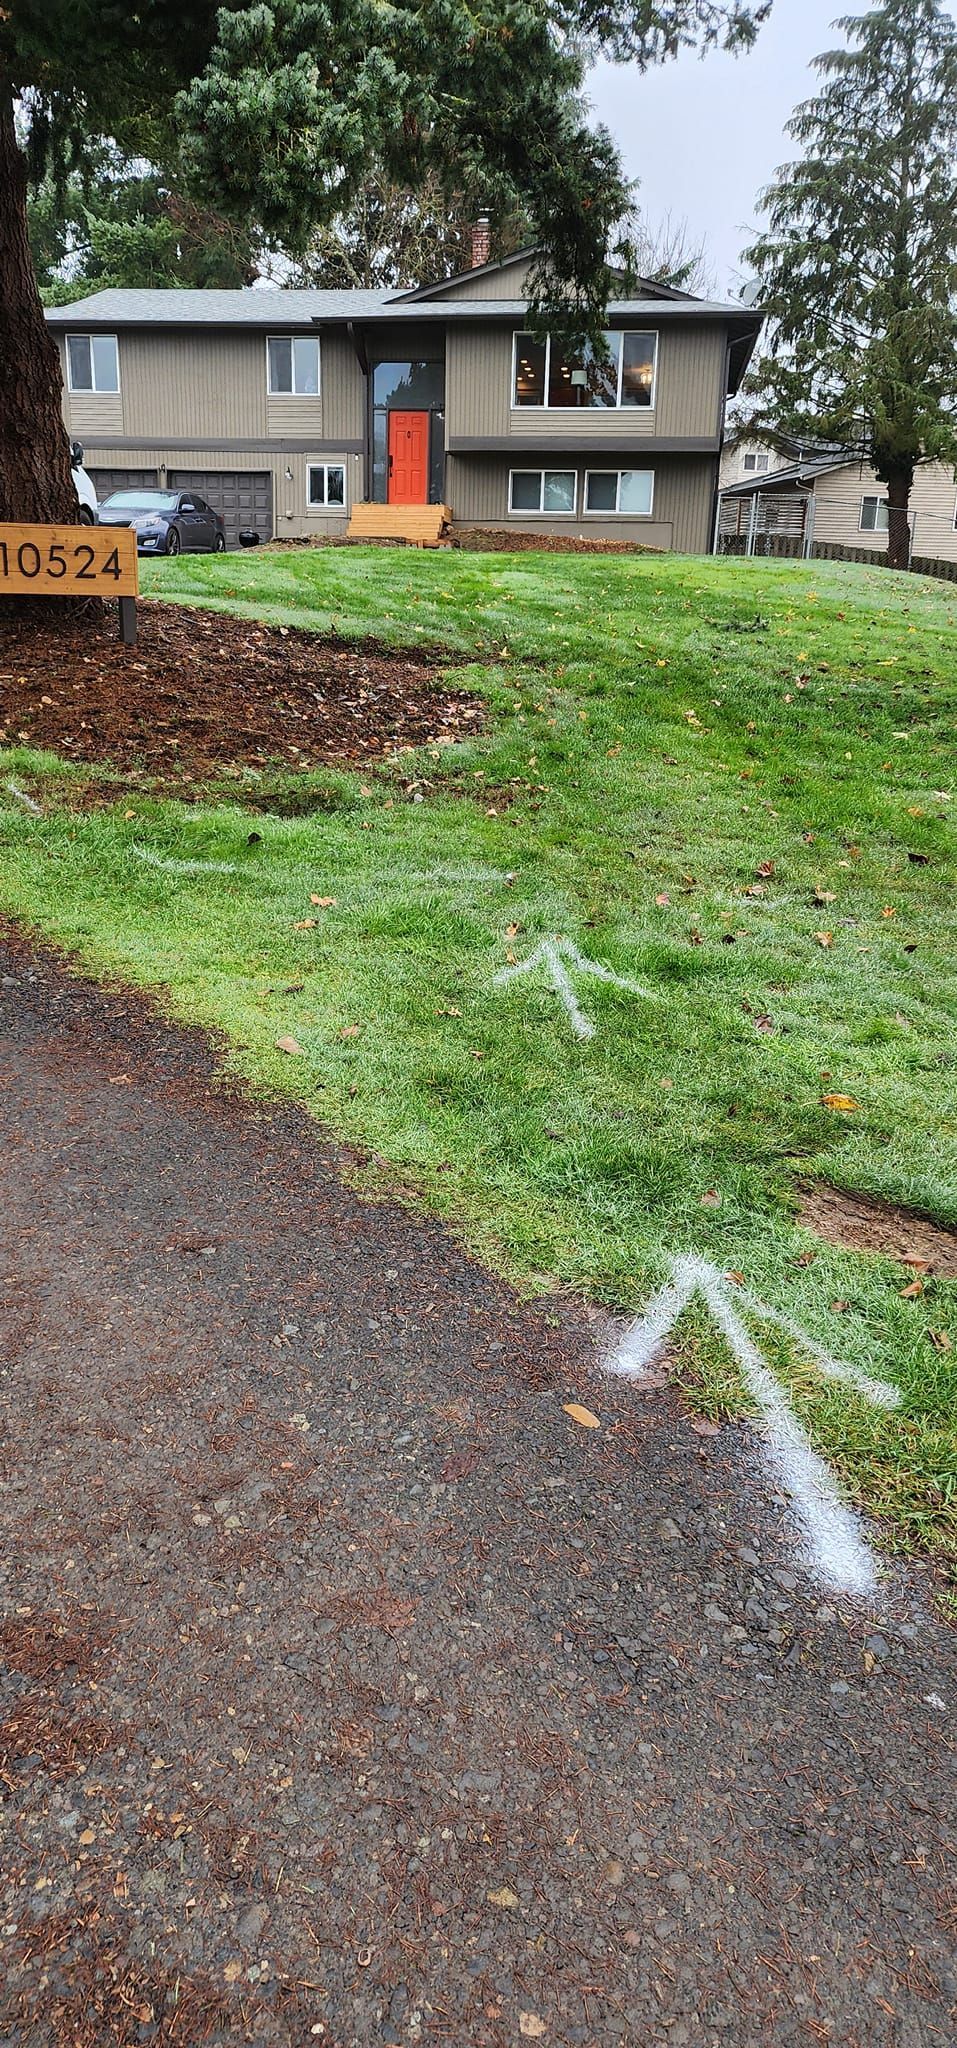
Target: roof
520, 256
282, 310
797, 473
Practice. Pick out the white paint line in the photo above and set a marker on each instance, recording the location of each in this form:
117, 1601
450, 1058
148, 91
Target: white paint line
836, 1550
549, 952
21, 797
182, 867
880, 1393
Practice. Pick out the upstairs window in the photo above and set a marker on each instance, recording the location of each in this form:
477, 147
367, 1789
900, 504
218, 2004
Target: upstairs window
93, 362
873, 515
292, 365
756, 465
545, 373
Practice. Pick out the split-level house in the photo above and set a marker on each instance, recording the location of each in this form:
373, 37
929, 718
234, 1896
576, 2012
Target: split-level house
287, 409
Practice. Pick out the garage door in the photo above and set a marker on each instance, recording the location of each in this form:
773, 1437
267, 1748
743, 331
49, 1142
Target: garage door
241, 497
107, 480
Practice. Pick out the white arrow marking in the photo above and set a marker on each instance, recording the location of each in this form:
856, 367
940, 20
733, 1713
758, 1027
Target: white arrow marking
183, 867
835, 1546
21, 797
549, 952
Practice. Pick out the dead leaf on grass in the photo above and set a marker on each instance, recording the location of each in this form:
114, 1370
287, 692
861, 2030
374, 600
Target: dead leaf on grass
824, 939
324, 902
910, 1293
305, 924
286, 1043
941, 1340
844, 1103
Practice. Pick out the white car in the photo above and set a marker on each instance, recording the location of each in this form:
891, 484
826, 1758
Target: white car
83, 486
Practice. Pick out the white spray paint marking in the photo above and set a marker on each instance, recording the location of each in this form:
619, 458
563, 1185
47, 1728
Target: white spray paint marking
836, 1550
21, 797
549, 954
182, 867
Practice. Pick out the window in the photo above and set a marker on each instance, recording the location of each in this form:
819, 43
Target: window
325, 485
756, 465
542, 490
873, 515
293, 365
92, 362
545, 374
629, 491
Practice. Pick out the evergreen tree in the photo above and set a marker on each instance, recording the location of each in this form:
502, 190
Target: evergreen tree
286, 105
123, 223
858, 264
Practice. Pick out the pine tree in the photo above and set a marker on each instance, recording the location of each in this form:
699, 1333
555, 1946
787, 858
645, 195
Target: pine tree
858, 264
285, 106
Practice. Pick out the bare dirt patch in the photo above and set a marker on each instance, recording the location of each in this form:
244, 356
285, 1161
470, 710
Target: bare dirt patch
203, 693
860, 1224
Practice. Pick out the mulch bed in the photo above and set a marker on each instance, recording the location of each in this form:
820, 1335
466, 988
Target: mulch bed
204, 692
505, 540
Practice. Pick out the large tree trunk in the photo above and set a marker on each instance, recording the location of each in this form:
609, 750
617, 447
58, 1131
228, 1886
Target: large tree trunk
899, 481
35, 477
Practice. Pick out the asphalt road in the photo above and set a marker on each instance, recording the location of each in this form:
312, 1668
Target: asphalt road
352, 1693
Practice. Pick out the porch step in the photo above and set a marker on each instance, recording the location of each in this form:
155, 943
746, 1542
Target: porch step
420, 526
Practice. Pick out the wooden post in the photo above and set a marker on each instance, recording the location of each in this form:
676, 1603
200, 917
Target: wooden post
72, 561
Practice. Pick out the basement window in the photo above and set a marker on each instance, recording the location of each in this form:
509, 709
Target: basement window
627, 491
92, 362
543, 490
325, 486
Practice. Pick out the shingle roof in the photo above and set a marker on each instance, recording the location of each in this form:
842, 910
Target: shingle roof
265, 308
796, 473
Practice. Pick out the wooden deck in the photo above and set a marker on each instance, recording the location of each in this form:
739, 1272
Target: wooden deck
419, 526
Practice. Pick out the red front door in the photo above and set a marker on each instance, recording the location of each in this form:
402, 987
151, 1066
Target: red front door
408, 458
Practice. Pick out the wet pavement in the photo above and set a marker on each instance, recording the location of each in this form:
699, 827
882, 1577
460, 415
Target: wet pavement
352, 1692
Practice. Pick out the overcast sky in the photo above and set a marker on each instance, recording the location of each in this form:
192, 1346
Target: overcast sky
705, 136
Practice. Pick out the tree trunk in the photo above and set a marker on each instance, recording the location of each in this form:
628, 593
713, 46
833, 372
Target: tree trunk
899, 481
35, 475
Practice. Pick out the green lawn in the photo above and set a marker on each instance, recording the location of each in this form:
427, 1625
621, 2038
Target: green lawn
709, 766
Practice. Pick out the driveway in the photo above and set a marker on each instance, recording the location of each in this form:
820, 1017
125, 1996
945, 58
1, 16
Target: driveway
353, 1691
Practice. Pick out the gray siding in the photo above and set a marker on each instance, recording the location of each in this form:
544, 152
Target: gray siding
211, 386
688, 394
507, 282
294, 520
477, 490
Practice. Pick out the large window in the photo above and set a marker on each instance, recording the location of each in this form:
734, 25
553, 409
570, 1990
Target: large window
545, 373
325, 486
629, 491
542, 490
873, 515
292, 365
93, 362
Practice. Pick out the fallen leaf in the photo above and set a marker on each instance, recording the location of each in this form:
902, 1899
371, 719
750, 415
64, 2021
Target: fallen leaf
663, 900
711, 1199
703, 1426
582, 1415
88, 1836
531, 2026
349, 1031
941, 1340
736, 1279
305, 924
917, 1264
666, 1084
824, 939
888, 910
324, 902
233, 1972
840, 1308
841, 1102
910, 1293
287, 1043
503, 1897
763, 1022
824, 896
764, 870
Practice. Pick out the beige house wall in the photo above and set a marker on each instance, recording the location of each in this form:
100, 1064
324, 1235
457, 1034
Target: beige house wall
681, 510
837, 510
688, 391
294, 519
209, 386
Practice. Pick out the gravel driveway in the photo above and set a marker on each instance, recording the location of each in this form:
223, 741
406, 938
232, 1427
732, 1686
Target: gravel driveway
352, 1692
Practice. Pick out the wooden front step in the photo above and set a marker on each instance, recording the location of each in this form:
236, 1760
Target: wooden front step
420, 526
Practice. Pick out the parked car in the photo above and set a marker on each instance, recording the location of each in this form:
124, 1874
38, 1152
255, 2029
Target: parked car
83, 485
166, 522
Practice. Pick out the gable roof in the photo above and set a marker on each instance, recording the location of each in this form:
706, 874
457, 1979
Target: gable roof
281, 309
645, 288
796, 473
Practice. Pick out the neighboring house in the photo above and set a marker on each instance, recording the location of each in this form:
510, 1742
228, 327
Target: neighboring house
837, 502
286, 408
744, 459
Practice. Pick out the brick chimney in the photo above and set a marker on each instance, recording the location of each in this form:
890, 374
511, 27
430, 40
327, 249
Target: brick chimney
481, 242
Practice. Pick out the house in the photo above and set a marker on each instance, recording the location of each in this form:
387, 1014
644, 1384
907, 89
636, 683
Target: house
286, 409
834, 504
744, 458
